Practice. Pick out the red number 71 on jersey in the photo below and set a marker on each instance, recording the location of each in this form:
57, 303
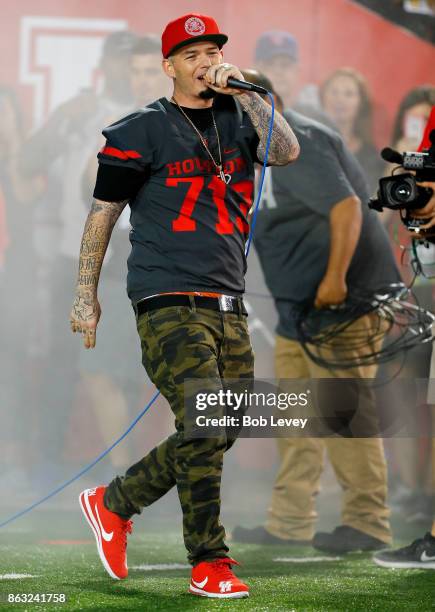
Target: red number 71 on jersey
224, 225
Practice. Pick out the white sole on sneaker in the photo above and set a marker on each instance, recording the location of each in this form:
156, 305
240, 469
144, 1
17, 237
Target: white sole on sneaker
405, 564
93, 524
195, 591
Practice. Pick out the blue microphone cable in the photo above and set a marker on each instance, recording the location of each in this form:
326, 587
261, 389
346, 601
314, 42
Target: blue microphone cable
263, 173
151, 402
85, 469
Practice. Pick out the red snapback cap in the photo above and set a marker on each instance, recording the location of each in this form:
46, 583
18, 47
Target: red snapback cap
188, 29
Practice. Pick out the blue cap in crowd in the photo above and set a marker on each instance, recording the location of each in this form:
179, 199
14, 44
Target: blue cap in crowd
276, 42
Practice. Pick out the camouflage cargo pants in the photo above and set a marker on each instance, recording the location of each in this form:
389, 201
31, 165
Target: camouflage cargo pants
179, 343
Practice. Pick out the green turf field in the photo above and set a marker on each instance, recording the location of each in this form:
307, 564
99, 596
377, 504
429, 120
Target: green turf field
72, 567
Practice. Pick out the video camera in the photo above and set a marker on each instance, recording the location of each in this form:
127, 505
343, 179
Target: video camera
401, 192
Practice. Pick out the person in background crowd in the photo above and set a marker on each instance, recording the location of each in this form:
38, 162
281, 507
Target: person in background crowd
421, 553
147, 80
60, 149
411, 483
277, 57
17, 283
112, 384
412, 117
314, 239
345, 98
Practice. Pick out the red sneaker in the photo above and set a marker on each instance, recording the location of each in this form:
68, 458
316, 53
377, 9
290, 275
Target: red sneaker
110, 531
215, 579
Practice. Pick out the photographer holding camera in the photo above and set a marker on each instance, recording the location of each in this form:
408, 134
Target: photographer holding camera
411, 192
420, 554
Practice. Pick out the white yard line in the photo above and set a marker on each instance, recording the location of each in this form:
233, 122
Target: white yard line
15, 576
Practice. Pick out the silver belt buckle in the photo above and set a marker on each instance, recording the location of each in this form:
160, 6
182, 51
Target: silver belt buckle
225, 303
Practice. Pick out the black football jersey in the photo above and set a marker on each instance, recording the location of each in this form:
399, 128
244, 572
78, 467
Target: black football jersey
189, 228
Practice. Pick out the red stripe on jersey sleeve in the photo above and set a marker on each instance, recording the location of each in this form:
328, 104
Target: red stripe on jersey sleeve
113, 152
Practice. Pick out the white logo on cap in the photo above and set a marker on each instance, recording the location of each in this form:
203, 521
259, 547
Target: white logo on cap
194, 26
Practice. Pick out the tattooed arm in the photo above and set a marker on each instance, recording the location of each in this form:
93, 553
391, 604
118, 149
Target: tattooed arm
86, 309
284, 146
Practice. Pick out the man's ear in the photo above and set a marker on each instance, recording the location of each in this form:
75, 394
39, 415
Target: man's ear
168, 68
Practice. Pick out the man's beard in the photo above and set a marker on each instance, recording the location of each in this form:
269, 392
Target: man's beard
207, 94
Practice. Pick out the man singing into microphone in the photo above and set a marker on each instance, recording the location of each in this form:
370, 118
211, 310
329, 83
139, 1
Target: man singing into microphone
186, 168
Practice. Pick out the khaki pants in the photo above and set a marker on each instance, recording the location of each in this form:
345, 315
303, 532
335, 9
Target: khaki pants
358, 463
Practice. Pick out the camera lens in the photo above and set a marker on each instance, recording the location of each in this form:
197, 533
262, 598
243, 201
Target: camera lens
397, 192
401, 191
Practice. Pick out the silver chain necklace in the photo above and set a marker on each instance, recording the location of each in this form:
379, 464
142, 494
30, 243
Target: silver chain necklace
226, 178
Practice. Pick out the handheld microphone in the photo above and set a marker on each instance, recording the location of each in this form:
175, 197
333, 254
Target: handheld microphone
246, 85
392, 156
